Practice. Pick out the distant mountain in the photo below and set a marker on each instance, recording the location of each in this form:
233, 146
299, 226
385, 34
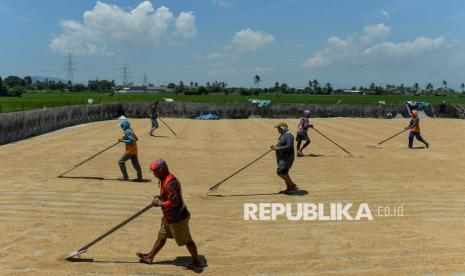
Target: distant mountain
42, 79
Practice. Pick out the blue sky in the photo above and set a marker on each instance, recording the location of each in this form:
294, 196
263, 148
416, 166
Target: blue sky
342, 42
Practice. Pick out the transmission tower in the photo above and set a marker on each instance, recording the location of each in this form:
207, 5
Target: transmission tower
69, 66
125, 74
145, 80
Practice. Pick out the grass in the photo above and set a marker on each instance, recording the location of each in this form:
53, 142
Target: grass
36, 100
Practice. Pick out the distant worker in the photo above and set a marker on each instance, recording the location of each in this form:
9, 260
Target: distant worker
130, 141
414, 127
302, 133
285, 156
153, 116
442, 109
175, 220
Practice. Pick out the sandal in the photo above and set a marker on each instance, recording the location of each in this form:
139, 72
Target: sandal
192, 266
142, 258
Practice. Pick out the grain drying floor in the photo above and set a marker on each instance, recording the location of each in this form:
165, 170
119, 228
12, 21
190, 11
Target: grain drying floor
43, 217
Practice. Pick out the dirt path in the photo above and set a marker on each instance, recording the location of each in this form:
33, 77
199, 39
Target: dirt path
44, 218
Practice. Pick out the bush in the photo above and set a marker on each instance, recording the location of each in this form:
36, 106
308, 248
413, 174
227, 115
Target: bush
244, 92
16, 91
202, 90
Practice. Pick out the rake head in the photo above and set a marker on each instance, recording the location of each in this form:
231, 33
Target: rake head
76, 253
374, 146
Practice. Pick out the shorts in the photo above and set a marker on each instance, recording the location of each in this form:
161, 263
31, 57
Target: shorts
284, 165
282, 171
179, 231
299, 137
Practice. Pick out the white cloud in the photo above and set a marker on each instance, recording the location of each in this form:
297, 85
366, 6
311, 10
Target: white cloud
242, 42
318, 59
358, 60
386, 14
418, 46
261, 70
372, 33
106, 27
336, 42
249, 39
352, 51
185, 23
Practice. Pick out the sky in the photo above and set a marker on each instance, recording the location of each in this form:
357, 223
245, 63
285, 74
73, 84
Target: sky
345, 43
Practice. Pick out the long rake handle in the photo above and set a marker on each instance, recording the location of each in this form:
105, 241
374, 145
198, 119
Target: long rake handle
332, 141
392, 137
90, 158
168, 127
238, 171
106, 234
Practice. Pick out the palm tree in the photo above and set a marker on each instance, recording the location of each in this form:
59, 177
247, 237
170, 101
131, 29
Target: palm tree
463, 87
372, 87
415, 86
444, 82
429, 87
257, 80
402, 88
316, 86
276, 86
328, 88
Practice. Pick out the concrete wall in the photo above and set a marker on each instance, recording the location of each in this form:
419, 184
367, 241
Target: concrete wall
21, 125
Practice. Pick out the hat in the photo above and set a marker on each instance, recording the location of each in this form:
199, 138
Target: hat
281, 125
159, 167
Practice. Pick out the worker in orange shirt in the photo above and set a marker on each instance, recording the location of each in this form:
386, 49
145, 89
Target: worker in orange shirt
130, 142
414, 127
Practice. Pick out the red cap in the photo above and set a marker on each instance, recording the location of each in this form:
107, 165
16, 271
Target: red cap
159, 167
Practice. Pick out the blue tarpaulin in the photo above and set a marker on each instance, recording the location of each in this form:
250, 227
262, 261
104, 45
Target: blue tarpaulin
209, 116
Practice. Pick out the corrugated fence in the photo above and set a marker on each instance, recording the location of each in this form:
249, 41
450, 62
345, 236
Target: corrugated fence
20, 125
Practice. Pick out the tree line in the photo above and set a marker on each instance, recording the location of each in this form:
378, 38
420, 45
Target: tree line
16, 86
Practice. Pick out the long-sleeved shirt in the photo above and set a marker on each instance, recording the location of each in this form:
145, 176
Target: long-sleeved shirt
285, 146
130, 141
414, 125
129, 136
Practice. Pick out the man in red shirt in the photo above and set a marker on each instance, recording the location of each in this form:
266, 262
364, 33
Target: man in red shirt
175, 221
